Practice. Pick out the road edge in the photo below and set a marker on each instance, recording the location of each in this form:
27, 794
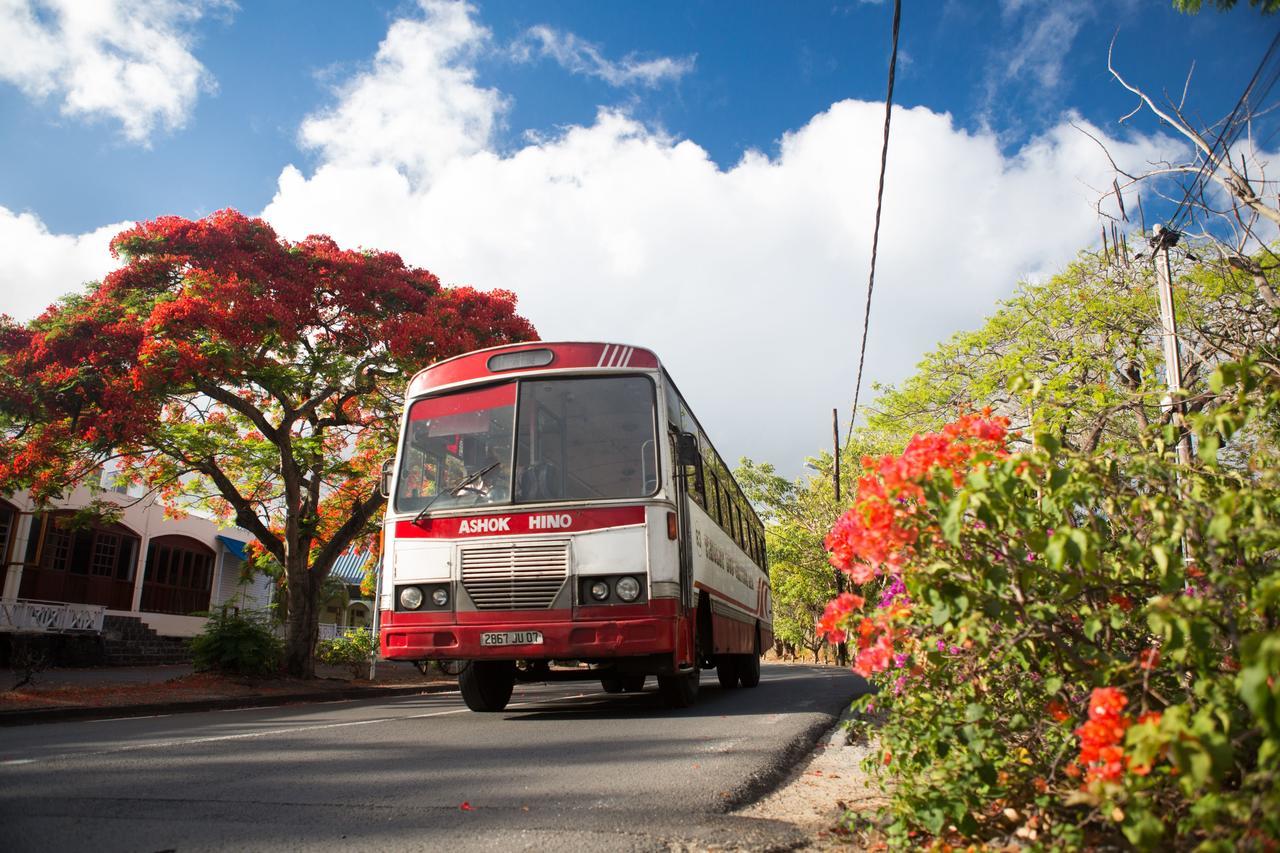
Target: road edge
38, 716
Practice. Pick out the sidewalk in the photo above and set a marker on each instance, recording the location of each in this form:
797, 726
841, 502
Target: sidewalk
64, 694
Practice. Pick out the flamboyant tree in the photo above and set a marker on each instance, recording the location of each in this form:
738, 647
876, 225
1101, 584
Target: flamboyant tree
229, 369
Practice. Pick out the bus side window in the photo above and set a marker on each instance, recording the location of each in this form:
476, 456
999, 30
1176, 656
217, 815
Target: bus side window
726, 512
698, 488
713, 497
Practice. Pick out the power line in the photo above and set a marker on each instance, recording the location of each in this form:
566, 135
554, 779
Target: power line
875, 233
1230, 131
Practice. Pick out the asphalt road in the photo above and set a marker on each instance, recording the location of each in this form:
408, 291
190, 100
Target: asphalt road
565, 767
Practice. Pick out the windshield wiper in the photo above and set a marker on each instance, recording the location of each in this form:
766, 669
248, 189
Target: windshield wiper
465, 481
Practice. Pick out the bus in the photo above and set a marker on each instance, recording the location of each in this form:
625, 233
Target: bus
556, 511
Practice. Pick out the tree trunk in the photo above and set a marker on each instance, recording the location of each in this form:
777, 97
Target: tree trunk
303, 624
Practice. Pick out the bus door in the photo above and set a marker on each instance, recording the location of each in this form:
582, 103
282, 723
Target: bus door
684, 469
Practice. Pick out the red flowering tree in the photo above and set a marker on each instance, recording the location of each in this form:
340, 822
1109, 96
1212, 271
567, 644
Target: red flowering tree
254, 377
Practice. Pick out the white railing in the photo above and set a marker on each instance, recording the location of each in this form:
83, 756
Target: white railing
49, 617
328, 631
333, 632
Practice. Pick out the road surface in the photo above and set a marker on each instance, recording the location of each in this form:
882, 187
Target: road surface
565, 767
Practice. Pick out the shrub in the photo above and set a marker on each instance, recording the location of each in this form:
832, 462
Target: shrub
1052, 665
237, 643
354, 650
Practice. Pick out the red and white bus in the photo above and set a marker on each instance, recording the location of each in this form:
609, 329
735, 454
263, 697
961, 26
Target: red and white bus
555, 510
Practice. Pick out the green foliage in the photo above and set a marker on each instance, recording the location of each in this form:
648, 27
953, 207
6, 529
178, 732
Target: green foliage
798, 514
1086, 345
237, 644
1054, 572
1193, 7
354, 650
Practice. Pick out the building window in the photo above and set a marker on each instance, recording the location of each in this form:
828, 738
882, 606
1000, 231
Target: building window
179, 576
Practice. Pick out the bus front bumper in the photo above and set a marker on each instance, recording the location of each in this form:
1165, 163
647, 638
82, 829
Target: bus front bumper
560, 639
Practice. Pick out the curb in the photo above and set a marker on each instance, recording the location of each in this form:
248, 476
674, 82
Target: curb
36, 716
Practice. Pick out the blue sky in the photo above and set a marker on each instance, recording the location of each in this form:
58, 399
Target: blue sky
716, 157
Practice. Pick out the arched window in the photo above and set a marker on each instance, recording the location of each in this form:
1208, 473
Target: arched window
179, 575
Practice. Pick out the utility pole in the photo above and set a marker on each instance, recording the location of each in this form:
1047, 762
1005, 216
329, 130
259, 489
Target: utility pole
1162, 240
842, 649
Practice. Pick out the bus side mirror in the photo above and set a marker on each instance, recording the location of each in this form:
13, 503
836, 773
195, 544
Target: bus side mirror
686, 449
384, 479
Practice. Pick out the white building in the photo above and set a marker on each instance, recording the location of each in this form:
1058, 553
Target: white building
160, 570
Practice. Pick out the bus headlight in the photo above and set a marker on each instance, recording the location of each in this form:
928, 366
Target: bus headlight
410, 598
628, 589
599, 590
440, 597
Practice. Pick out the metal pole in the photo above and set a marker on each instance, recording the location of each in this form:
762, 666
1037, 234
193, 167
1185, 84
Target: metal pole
377, 615
1161, 240
842, 649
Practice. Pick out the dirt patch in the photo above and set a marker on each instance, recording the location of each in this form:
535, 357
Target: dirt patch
816, 794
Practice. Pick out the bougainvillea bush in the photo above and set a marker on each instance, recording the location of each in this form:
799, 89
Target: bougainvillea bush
1073, 649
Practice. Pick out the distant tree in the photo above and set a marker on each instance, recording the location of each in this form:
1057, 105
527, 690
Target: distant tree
1089, 341
232, 370
1193, 7
797, 514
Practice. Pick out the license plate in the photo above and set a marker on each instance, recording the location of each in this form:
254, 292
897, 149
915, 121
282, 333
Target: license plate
511, 638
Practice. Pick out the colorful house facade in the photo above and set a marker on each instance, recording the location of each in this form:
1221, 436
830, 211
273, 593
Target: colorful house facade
145, 567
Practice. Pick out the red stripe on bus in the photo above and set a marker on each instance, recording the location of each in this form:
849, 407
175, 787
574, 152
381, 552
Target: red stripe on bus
718, 594
564, 356
508, 524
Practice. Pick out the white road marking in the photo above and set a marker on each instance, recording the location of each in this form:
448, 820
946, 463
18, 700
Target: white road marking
168, 744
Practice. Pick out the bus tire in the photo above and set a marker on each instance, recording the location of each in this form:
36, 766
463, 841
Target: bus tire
486, 684
613, 683
633, 683
749, 669
727, 670
680, 691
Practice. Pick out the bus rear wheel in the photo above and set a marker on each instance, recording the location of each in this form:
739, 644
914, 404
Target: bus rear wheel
633, 683
486, 684
680, 691
727, 670
749, 669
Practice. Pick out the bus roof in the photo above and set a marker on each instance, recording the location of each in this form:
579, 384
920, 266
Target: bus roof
539, 355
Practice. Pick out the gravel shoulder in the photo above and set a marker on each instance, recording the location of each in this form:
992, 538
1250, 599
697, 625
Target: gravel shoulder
820, 789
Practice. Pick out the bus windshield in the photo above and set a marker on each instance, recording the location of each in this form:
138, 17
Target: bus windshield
568, 439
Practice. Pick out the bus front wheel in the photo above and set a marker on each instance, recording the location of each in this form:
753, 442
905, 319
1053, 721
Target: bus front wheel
680, 691
486, 684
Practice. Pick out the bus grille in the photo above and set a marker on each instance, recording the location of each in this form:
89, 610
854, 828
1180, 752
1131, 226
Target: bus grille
507, 577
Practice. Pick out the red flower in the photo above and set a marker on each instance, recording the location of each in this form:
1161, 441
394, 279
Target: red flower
1058, 711
832, 624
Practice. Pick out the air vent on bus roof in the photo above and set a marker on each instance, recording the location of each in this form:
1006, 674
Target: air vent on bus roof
518, 360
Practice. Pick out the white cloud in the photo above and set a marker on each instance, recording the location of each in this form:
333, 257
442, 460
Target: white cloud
417, 107
126, 60
38, 267
748, 281
582, 57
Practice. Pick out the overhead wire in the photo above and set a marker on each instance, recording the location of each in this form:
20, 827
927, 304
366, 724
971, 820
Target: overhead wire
1230, 131
875, 233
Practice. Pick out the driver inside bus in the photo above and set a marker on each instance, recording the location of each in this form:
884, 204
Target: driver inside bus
495, 485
